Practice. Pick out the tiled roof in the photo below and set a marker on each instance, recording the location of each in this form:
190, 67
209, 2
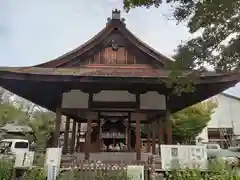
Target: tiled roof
16, 128
107, 71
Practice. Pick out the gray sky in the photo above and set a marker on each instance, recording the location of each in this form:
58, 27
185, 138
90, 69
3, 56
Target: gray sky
33, 32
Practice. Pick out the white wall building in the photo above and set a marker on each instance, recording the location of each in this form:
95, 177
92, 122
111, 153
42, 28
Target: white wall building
226, 115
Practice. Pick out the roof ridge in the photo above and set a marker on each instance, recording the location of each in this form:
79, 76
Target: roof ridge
111, 25
149, 47
63, 56
230, 95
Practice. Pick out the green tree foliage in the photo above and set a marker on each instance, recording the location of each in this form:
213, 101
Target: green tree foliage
9, 113
128, 4
21, 112
42, 124
218, 24
5, 170
218, 43
189, 122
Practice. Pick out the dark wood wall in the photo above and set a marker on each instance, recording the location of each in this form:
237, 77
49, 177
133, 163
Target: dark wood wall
110, 56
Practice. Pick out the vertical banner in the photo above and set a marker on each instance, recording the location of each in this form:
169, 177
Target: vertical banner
52, 172
53, 160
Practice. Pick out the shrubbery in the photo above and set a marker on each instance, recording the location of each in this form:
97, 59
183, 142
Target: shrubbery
6, 170
217, 170
95, 175
35, 174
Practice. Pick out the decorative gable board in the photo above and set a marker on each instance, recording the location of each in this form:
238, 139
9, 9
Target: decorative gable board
114, 49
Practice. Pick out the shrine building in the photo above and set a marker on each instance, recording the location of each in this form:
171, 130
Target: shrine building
114, 82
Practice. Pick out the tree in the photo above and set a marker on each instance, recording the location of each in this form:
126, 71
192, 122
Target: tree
42, 124
219, 21
9, 113
19, 111
189, 122
218, 43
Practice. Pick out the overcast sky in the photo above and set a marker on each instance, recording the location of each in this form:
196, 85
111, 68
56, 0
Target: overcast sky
33, 32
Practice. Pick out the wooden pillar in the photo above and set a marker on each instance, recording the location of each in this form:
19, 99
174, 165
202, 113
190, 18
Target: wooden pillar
160, 136
138, 140
78, 137
57, 127
88, 138
126, 133
99, 133
148, 137
66, 136
154, 137
129, 141
168, 127
73, 138
14, 174
100, 141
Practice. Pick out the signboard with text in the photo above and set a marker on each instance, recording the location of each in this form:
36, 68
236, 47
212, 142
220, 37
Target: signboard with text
110, 135
52, 172
53, 159
24, 159
135, 172
183, 156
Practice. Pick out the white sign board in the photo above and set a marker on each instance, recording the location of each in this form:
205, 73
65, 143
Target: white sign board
24, 159
183, 156
135, 172
53, 158
52, 172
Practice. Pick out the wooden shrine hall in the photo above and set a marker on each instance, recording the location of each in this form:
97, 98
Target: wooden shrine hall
113, 83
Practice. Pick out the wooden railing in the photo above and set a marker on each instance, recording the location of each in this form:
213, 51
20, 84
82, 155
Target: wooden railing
72, 166
75, 160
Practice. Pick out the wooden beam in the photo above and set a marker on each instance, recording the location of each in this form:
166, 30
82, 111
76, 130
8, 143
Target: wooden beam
112, 105
57, 127
96, 121
66, 136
